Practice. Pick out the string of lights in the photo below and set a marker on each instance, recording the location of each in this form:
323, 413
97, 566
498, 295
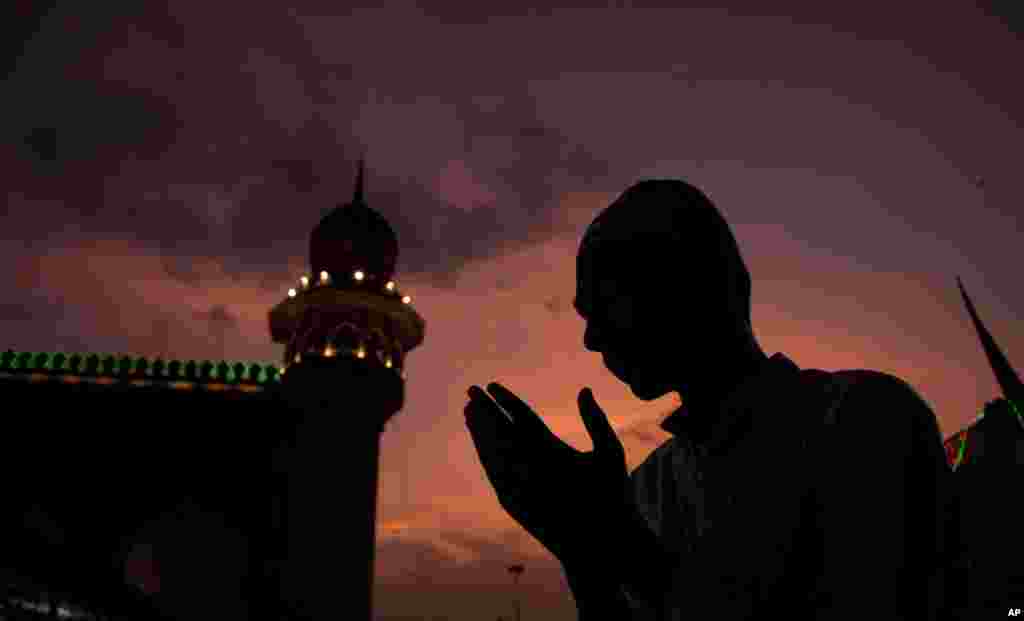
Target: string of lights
390, 287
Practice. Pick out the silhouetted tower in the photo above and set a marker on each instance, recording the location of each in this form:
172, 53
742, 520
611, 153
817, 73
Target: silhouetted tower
1006, 377
990, 466
347, 330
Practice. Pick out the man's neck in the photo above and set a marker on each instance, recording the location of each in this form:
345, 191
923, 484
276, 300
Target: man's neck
747, 360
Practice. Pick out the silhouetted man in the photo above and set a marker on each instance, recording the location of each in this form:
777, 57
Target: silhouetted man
783, 493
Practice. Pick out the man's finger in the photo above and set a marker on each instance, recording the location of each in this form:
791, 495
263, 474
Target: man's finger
493, 438
488, 415
482, 401
521, 413
594, 419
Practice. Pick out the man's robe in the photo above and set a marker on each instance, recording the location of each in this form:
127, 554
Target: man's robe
809, 494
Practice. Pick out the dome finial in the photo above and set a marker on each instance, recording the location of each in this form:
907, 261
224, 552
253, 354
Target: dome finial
354, 238
357, 197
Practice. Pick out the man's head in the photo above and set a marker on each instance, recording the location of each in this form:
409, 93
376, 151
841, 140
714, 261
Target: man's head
662, 286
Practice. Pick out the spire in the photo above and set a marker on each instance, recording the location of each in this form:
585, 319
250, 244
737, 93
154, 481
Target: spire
353, 237
1009, 382
357, 197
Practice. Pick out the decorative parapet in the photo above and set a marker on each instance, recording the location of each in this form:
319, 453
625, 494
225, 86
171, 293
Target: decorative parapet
960, 446
378, 326
108, 368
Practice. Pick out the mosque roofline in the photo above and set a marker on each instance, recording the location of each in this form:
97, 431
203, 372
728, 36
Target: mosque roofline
106, 368
980, 416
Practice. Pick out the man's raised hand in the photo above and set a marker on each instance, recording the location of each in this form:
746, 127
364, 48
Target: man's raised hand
570, 501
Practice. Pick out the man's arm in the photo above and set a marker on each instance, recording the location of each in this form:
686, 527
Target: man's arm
879, 503
597, 595
632, 560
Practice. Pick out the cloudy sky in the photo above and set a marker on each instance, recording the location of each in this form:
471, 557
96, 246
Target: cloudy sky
163, 167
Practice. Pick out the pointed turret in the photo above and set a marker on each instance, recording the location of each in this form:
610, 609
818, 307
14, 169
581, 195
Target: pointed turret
354, 237
1009, 381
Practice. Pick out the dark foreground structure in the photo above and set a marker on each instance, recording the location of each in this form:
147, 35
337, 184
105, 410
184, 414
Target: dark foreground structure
988, 463
168, 489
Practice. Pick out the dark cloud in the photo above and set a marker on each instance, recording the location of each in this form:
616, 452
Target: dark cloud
521, 161
300, 174
31, 308
482, 547
170, 116
514, 150
479, 585
60, 83
1010, 12
221, 325
130, 84
18, 311
182, 269
218, 315
407, 560
412, 560
23, 21
105, 124
42, 142
465, 15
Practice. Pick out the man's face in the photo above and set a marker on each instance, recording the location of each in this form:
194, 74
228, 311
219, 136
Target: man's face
658, 331
627, 327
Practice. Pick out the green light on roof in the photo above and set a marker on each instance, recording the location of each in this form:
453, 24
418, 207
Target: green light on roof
271, 374
960, 452
237, 372
1016, 410
125, 365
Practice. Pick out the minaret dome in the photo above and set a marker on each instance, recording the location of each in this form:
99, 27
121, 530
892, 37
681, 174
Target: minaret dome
353, 238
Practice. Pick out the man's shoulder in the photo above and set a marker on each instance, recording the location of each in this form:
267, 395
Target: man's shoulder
865, 400
855, 377
876, 388
861, 385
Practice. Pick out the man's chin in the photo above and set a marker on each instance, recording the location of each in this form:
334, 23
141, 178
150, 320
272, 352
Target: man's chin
647, 392
644, 390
